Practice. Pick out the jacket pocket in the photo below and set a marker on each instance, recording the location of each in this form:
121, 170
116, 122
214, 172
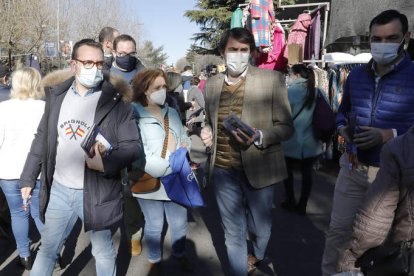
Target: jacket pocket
107, 211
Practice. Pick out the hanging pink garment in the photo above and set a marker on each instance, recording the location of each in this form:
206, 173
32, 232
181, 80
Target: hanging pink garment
299, 31
275, 59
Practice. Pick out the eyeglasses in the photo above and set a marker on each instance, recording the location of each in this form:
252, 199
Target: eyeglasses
122, 54
89, 64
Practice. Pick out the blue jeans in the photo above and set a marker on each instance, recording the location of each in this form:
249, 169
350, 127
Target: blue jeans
65, 206
243, 208
154, 221
20, 217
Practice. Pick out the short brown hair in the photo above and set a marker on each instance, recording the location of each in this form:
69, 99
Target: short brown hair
142, 81
124, 37
88, 42
195, 81
242, 35
107, 33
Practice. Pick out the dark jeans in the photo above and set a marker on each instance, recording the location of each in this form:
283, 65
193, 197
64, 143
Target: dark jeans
306, 167
243, 209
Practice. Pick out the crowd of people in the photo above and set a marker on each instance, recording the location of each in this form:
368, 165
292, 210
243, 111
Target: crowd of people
144, 116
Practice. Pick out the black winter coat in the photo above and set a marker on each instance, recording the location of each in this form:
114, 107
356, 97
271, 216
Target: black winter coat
102, 203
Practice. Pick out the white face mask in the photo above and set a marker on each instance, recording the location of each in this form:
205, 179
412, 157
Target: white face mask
158, 97
385, 53
237, 62
90, 77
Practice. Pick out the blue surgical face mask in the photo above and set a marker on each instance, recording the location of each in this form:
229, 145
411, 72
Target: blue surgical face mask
90, 78
385, 53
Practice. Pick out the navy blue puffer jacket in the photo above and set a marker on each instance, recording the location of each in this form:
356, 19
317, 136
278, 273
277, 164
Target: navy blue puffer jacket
388, 105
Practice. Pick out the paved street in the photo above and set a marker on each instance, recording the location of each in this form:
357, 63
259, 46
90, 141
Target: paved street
295, 247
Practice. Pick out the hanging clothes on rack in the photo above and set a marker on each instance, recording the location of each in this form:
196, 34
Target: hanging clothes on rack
331, 81
236, 19
298, 34
246, 21
313, 39
274, 60
262, 15
323, 83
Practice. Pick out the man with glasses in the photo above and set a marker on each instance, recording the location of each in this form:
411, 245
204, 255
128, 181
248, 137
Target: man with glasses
377, 105
126, 64
74, 184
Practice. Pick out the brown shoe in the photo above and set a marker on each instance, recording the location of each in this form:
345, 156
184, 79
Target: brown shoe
154, 269
252, 263
136, 247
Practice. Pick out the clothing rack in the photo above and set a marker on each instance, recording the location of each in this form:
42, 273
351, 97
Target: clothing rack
285, 20
314, 10
313, 60
280, 6
321, 5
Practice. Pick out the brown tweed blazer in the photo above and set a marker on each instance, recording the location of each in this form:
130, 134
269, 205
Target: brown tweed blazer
265, 107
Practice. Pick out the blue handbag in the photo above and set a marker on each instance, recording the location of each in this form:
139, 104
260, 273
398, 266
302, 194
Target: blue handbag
181, 185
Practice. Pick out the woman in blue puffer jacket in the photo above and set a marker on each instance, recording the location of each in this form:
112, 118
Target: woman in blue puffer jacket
149, 94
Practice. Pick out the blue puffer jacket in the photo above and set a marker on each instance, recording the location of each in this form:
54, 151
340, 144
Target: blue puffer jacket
153, 136
390, 105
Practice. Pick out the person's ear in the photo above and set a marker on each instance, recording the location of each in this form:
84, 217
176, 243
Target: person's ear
73, 66
407, 38
108, 45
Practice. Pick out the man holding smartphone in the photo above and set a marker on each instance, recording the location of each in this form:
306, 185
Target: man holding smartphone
245, 170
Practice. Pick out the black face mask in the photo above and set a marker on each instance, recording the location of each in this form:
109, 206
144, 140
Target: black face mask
126, 62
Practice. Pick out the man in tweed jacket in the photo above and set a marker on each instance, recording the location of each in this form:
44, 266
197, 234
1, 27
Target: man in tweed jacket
244, 172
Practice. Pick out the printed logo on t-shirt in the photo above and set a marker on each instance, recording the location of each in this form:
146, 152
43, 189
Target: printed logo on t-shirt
74, 129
